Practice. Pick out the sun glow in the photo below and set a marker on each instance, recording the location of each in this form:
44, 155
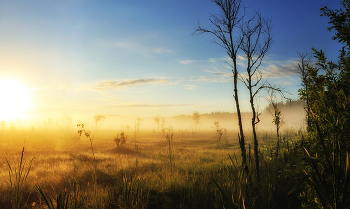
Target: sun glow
14, 99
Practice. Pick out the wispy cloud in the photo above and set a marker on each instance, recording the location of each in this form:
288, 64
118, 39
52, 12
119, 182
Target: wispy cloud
191, 87
185, 62
212, 79
269, 67
139, 48
104, 85
277, 69
226, 58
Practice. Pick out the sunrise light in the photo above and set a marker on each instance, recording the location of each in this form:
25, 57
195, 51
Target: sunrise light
15, 99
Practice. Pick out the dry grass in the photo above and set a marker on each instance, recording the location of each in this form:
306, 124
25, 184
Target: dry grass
61, 158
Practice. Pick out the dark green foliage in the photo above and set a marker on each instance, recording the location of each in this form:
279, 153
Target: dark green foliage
340, 21
327, 141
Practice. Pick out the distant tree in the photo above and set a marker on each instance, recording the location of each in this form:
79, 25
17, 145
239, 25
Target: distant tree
196, 119
98, 118
157, 120
219, 132
138, 124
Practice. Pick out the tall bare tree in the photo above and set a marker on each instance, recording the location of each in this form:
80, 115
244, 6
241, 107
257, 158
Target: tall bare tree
257, 40
226, 29
251, 37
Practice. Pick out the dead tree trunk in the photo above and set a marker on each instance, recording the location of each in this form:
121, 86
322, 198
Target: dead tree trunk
223, 28
257, 40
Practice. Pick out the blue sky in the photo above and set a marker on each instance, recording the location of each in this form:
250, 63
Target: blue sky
138, 58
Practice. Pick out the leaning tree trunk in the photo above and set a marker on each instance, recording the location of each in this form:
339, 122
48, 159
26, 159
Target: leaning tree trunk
278, 139
241, 133
254, 122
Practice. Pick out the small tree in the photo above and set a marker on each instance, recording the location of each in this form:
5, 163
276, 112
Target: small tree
157, 120
277, 119
219, 132
120, 141
138, 124
98, 118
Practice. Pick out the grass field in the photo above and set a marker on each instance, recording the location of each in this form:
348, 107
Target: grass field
147, 172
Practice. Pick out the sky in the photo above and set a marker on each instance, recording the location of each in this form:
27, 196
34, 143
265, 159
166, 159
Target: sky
140, 58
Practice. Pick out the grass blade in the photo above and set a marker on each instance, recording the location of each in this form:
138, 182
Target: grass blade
306, 177
224, 196
345, 188
49, 204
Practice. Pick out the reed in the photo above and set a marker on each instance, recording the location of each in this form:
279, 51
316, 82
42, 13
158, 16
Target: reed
18, 176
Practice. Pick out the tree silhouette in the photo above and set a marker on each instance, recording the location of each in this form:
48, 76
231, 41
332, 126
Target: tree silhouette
253, 38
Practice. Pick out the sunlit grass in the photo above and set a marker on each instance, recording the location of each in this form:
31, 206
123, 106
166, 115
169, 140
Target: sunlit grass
58, 163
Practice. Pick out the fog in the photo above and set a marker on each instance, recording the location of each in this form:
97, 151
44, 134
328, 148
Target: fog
292, 118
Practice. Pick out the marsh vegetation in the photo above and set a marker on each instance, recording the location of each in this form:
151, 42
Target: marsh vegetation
164, 171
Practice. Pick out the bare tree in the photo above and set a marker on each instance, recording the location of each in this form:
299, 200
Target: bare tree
253, 38
257, 40
304, 74
226, 28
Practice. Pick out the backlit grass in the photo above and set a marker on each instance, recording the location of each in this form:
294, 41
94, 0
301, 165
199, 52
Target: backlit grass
142, 178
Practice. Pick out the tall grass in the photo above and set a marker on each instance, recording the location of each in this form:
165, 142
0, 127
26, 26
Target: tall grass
18, 177
133, 193
331, 179
64, 200
278, 174
169, 139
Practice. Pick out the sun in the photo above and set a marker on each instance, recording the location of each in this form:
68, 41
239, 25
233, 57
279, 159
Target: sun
14, 99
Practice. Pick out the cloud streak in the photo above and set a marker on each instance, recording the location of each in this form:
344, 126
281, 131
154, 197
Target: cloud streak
145, 105
139, 48
277, 69
190, 87
269, 67
185, 62
105, 85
